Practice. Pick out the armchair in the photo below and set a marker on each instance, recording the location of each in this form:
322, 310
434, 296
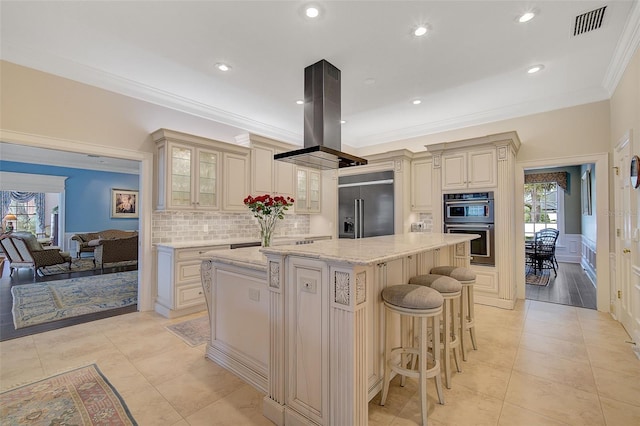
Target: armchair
24, 251
116, 250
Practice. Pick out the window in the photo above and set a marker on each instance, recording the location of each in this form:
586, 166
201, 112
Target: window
25, 212
541, 207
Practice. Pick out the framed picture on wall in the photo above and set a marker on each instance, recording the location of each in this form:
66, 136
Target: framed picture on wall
124, 203
586, 193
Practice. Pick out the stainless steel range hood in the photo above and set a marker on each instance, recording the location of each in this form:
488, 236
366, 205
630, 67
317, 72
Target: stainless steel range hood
322, 116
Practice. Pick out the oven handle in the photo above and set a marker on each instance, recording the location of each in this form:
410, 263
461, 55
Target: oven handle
449, 226
468, 202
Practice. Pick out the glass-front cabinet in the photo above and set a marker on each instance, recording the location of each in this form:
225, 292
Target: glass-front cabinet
194, 173
308, 190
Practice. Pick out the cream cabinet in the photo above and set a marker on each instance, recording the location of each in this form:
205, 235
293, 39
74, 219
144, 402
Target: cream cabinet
195, 173
179, 284
469, 169
235, 181
308, 190
267, 175
422, 185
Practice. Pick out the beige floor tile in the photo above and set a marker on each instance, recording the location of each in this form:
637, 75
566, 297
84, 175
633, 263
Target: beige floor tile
569, 332
483, 378
493, 353
618, 386
19, 363
198, 388
122, 374
142, 343
554, 347
622, 360
619, 413
181, 358
512, 415
148, 407
242, 407
554, 400
566, 371
397, 398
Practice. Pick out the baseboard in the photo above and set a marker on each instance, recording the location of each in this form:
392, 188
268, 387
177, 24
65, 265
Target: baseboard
273, 411
492, 301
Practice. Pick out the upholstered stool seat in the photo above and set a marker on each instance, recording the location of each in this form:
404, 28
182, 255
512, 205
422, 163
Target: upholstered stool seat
467, 278
451, 291
420, 304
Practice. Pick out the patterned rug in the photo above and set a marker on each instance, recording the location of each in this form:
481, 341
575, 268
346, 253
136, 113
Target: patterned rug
78, 265
79, 397
55, 300
540, 278
195, 332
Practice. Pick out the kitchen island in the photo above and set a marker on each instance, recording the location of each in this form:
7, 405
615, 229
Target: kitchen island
304, 323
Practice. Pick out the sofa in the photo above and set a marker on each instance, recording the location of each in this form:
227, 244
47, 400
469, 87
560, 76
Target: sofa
87, 242
23, 250
116, 250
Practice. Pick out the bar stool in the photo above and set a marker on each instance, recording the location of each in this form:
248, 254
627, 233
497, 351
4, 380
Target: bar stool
417, 303
467, 278
451, 291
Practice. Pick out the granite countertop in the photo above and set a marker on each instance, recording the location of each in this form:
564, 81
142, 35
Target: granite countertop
280, 240
365, 251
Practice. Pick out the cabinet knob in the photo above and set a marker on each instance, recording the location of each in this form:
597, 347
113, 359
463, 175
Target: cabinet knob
626, 251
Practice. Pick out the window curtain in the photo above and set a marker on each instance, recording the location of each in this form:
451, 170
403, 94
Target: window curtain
560, 178
24, 197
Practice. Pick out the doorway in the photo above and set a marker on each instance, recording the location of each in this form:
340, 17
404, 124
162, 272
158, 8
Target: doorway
600, 218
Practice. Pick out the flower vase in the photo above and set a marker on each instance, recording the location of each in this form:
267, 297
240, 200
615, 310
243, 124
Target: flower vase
266, 230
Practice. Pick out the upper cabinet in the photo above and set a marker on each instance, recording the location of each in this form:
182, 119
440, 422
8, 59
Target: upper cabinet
308, 190
267, 175
471, 169
422, 184
195, 173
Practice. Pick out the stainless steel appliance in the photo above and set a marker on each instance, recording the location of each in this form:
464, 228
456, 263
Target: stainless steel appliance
365, 205
472, 213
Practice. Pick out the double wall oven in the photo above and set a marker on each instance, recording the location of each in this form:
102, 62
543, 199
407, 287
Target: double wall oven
472, 213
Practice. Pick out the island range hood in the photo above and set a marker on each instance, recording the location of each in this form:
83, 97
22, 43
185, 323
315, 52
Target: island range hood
322, 117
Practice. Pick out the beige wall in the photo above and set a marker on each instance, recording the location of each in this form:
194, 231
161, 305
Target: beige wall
625, 104
565, 132
43, 104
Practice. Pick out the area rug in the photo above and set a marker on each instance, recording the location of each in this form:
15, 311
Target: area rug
540, 278
55, 300
195, 332
80, 397
79, 265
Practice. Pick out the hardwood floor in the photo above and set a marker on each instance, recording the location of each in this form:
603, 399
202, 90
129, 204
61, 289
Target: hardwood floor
25, 276
571, 287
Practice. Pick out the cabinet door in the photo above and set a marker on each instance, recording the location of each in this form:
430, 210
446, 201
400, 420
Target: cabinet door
236, 181
454, 171
285, 178
207, 180
315, 185
262, 170
482, 168
181, 176
302, 197
422, 185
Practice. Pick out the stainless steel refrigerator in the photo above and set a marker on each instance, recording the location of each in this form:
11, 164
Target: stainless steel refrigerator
365, 205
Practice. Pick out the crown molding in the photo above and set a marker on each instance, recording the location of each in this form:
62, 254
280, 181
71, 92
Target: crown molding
625, 49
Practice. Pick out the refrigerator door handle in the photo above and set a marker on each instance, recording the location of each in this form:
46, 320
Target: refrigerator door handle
360, 202
356, 218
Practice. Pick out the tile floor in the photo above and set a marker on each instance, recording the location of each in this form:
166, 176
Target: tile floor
540, 364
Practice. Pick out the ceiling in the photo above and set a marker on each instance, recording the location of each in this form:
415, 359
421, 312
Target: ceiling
469, 69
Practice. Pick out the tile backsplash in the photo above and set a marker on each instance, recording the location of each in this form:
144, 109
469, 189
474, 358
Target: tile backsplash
176, 226
427, 218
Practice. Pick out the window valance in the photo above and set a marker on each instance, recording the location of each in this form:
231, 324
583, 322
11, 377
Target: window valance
560, 178
21, 196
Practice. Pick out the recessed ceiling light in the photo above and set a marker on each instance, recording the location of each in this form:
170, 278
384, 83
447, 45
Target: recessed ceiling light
534, 69
343, 121
223, 67
312, 12
420, 30
526, 17
416, 102
300, 102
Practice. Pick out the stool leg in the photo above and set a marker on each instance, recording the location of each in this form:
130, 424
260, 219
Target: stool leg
436, 355
472, 328
446, 316
406, 340
387, 358
463, 320
455, 330
422, 339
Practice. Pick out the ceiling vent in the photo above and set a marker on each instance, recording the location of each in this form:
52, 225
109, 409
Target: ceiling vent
589, 21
